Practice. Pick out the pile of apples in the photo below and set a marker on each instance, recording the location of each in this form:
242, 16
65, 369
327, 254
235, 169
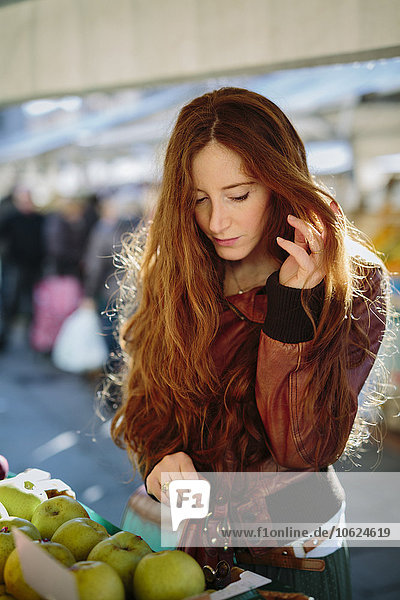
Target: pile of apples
106, 567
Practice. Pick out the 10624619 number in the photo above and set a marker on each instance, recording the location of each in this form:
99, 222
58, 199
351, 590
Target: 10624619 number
362, 532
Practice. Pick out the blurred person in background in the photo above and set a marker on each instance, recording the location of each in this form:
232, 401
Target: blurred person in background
66, 233
100, 285
6, 206
91, 211
22, 258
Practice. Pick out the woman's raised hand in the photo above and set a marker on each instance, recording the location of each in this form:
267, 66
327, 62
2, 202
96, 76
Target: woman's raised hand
303, 268
174, 466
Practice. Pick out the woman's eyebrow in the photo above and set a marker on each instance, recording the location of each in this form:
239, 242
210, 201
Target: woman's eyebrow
229, 187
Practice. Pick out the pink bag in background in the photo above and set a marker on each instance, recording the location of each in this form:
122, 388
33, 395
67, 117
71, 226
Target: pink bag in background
54, 298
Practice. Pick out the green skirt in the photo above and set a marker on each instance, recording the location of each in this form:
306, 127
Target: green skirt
333, 583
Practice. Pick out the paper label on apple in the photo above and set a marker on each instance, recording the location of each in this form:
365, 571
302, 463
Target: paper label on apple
45, 575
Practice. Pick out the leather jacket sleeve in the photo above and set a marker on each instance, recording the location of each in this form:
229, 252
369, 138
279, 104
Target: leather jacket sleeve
281, 375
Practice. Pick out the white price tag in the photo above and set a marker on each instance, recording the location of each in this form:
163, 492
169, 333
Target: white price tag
42, 572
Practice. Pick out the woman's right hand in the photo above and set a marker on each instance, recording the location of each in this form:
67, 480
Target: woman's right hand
174, 466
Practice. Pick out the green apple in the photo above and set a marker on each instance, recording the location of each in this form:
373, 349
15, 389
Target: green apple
13, 576
122, 551
7, 540
80, 535
20, 501
168, 575
53, 512
3, 511
97, 581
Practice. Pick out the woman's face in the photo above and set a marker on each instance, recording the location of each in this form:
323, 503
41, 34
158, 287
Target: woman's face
231, 207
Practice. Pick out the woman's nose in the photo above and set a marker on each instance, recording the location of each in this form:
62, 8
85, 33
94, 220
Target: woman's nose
219, 218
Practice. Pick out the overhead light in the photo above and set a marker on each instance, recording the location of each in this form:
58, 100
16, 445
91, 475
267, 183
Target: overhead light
70, 103
36, 108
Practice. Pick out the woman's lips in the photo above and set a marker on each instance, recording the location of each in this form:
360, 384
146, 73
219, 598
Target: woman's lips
225, 242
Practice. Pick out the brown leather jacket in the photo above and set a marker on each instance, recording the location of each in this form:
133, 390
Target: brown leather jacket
281, 373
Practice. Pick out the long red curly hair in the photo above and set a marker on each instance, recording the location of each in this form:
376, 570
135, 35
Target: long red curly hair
174, 398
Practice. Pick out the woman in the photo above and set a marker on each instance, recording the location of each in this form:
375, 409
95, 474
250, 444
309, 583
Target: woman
255, 328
